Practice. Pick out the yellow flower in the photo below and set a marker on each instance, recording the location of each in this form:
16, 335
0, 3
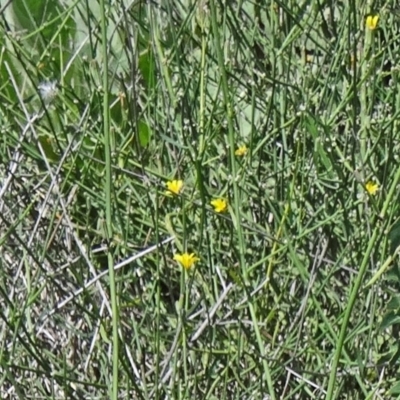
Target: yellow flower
372, 22
220, 205
174, 187
186, 260
241, 150
372, 188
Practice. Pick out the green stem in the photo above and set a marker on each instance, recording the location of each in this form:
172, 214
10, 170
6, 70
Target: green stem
107, 193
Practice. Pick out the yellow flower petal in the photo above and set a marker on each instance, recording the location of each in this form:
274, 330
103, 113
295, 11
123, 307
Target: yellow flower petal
372, 22
241, 151
220, 205
186, 260
174, 187
372, 188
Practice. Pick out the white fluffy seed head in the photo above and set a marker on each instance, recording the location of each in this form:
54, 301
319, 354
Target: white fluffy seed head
48, 91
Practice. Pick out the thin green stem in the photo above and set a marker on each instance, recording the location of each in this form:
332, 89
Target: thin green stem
107, 194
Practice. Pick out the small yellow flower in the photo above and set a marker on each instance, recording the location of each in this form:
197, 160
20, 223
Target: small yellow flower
220, 205
241, 150
372, 188
372, 22
186, 260
174, 187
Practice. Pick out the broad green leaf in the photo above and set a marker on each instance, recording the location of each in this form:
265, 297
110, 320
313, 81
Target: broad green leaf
117, 112
46, 142
395, 388
147, 68
394, 303
144, 134
391, 318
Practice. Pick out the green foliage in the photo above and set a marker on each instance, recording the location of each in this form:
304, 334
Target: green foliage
394, 237
48, 29
395, 390
146, 67
391, 318
281, 272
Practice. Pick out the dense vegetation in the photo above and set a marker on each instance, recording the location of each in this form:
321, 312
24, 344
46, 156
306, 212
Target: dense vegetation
199, 199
